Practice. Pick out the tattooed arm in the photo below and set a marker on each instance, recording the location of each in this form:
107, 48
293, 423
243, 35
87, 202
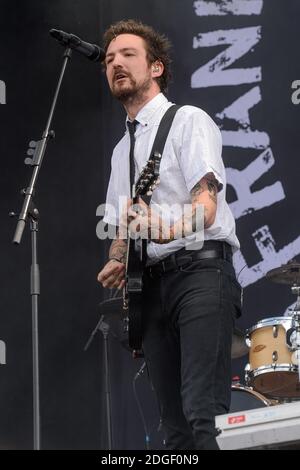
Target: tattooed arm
113, 273
118, 250
203, 195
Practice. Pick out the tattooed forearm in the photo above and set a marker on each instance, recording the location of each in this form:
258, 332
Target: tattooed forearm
198, 189
159, 231
205, 193
118, 250
200, 215
208, 183
206, 218
191, 222
213, 198
212, 186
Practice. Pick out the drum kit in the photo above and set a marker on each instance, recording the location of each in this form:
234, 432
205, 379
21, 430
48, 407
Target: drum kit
272, 374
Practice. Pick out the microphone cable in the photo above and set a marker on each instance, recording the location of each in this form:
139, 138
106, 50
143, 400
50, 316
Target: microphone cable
146, 431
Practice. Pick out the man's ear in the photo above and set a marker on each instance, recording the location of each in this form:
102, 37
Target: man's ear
157, 69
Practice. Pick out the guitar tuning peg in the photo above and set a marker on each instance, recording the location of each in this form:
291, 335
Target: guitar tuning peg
149, 192
157, 181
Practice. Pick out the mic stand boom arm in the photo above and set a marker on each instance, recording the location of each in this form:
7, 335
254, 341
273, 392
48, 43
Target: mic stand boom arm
29, 211
37, 159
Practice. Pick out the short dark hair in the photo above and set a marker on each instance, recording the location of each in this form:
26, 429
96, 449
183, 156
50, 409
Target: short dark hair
157, 45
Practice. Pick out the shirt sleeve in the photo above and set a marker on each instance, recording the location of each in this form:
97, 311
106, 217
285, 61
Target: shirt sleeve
118, 190
111, 206
201, 149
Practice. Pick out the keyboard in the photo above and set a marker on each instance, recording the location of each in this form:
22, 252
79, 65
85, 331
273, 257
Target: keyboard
271, 427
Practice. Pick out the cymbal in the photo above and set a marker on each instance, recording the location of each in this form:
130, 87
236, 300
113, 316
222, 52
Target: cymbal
287, 274
239, 347
113, 308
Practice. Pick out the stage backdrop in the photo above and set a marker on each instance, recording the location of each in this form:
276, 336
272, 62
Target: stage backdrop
236, 59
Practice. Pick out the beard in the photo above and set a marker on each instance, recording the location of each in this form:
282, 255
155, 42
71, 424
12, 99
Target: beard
132, 91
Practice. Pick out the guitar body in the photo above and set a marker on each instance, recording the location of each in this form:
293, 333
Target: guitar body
136, 259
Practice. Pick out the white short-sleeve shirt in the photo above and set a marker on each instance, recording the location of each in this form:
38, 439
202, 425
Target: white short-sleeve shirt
193, 149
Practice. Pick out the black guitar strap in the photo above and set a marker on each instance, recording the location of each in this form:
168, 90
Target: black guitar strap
161, 135
164, 128
138, 261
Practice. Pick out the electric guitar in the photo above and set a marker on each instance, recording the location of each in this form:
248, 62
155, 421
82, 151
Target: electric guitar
136, 257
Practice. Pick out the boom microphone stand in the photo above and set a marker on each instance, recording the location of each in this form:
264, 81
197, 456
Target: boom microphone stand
106, 307
31, 212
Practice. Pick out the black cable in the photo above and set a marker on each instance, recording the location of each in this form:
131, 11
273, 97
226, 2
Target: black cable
137, 375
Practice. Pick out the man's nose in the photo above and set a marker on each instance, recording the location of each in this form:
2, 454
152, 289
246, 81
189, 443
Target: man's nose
117, 61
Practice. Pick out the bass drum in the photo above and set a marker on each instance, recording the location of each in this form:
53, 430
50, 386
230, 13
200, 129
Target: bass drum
244, 398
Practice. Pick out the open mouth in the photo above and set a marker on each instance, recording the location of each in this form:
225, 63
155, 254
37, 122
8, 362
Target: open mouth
119, 77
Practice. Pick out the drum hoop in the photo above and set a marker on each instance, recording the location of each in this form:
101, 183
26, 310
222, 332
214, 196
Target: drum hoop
272, 368
274, 321
250, 390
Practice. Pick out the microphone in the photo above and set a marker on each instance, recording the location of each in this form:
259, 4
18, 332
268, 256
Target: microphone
91, 51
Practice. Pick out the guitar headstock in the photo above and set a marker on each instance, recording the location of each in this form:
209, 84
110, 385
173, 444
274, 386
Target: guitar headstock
149, 177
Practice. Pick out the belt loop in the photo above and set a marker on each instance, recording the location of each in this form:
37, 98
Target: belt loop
173, 258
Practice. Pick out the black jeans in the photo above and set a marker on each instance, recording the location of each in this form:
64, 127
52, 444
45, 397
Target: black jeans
188, 319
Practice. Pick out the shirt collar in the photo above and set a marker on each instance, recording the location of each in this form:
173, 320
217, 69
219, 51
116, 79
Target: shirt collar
145, 114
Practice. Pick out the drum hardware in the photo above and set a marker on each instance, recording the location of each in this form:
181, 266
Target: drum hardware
239, 346
246, 398
275, 331
290, 274
274, 356
295, 334
271, 369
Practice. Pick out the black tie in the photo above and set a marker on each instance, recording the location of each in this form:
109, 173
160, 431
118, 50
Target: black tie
131, 129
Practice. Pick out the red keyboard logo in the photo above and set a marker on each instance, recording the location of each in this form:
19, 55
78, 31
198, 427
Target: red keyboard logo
236, 419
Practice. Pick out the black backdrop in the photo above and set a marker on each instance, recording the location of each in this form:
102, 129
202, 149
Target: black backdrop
73, 182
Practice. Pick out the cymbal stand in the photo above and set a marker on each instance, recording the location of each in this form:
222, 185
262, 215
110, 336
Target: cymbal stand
105, 328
